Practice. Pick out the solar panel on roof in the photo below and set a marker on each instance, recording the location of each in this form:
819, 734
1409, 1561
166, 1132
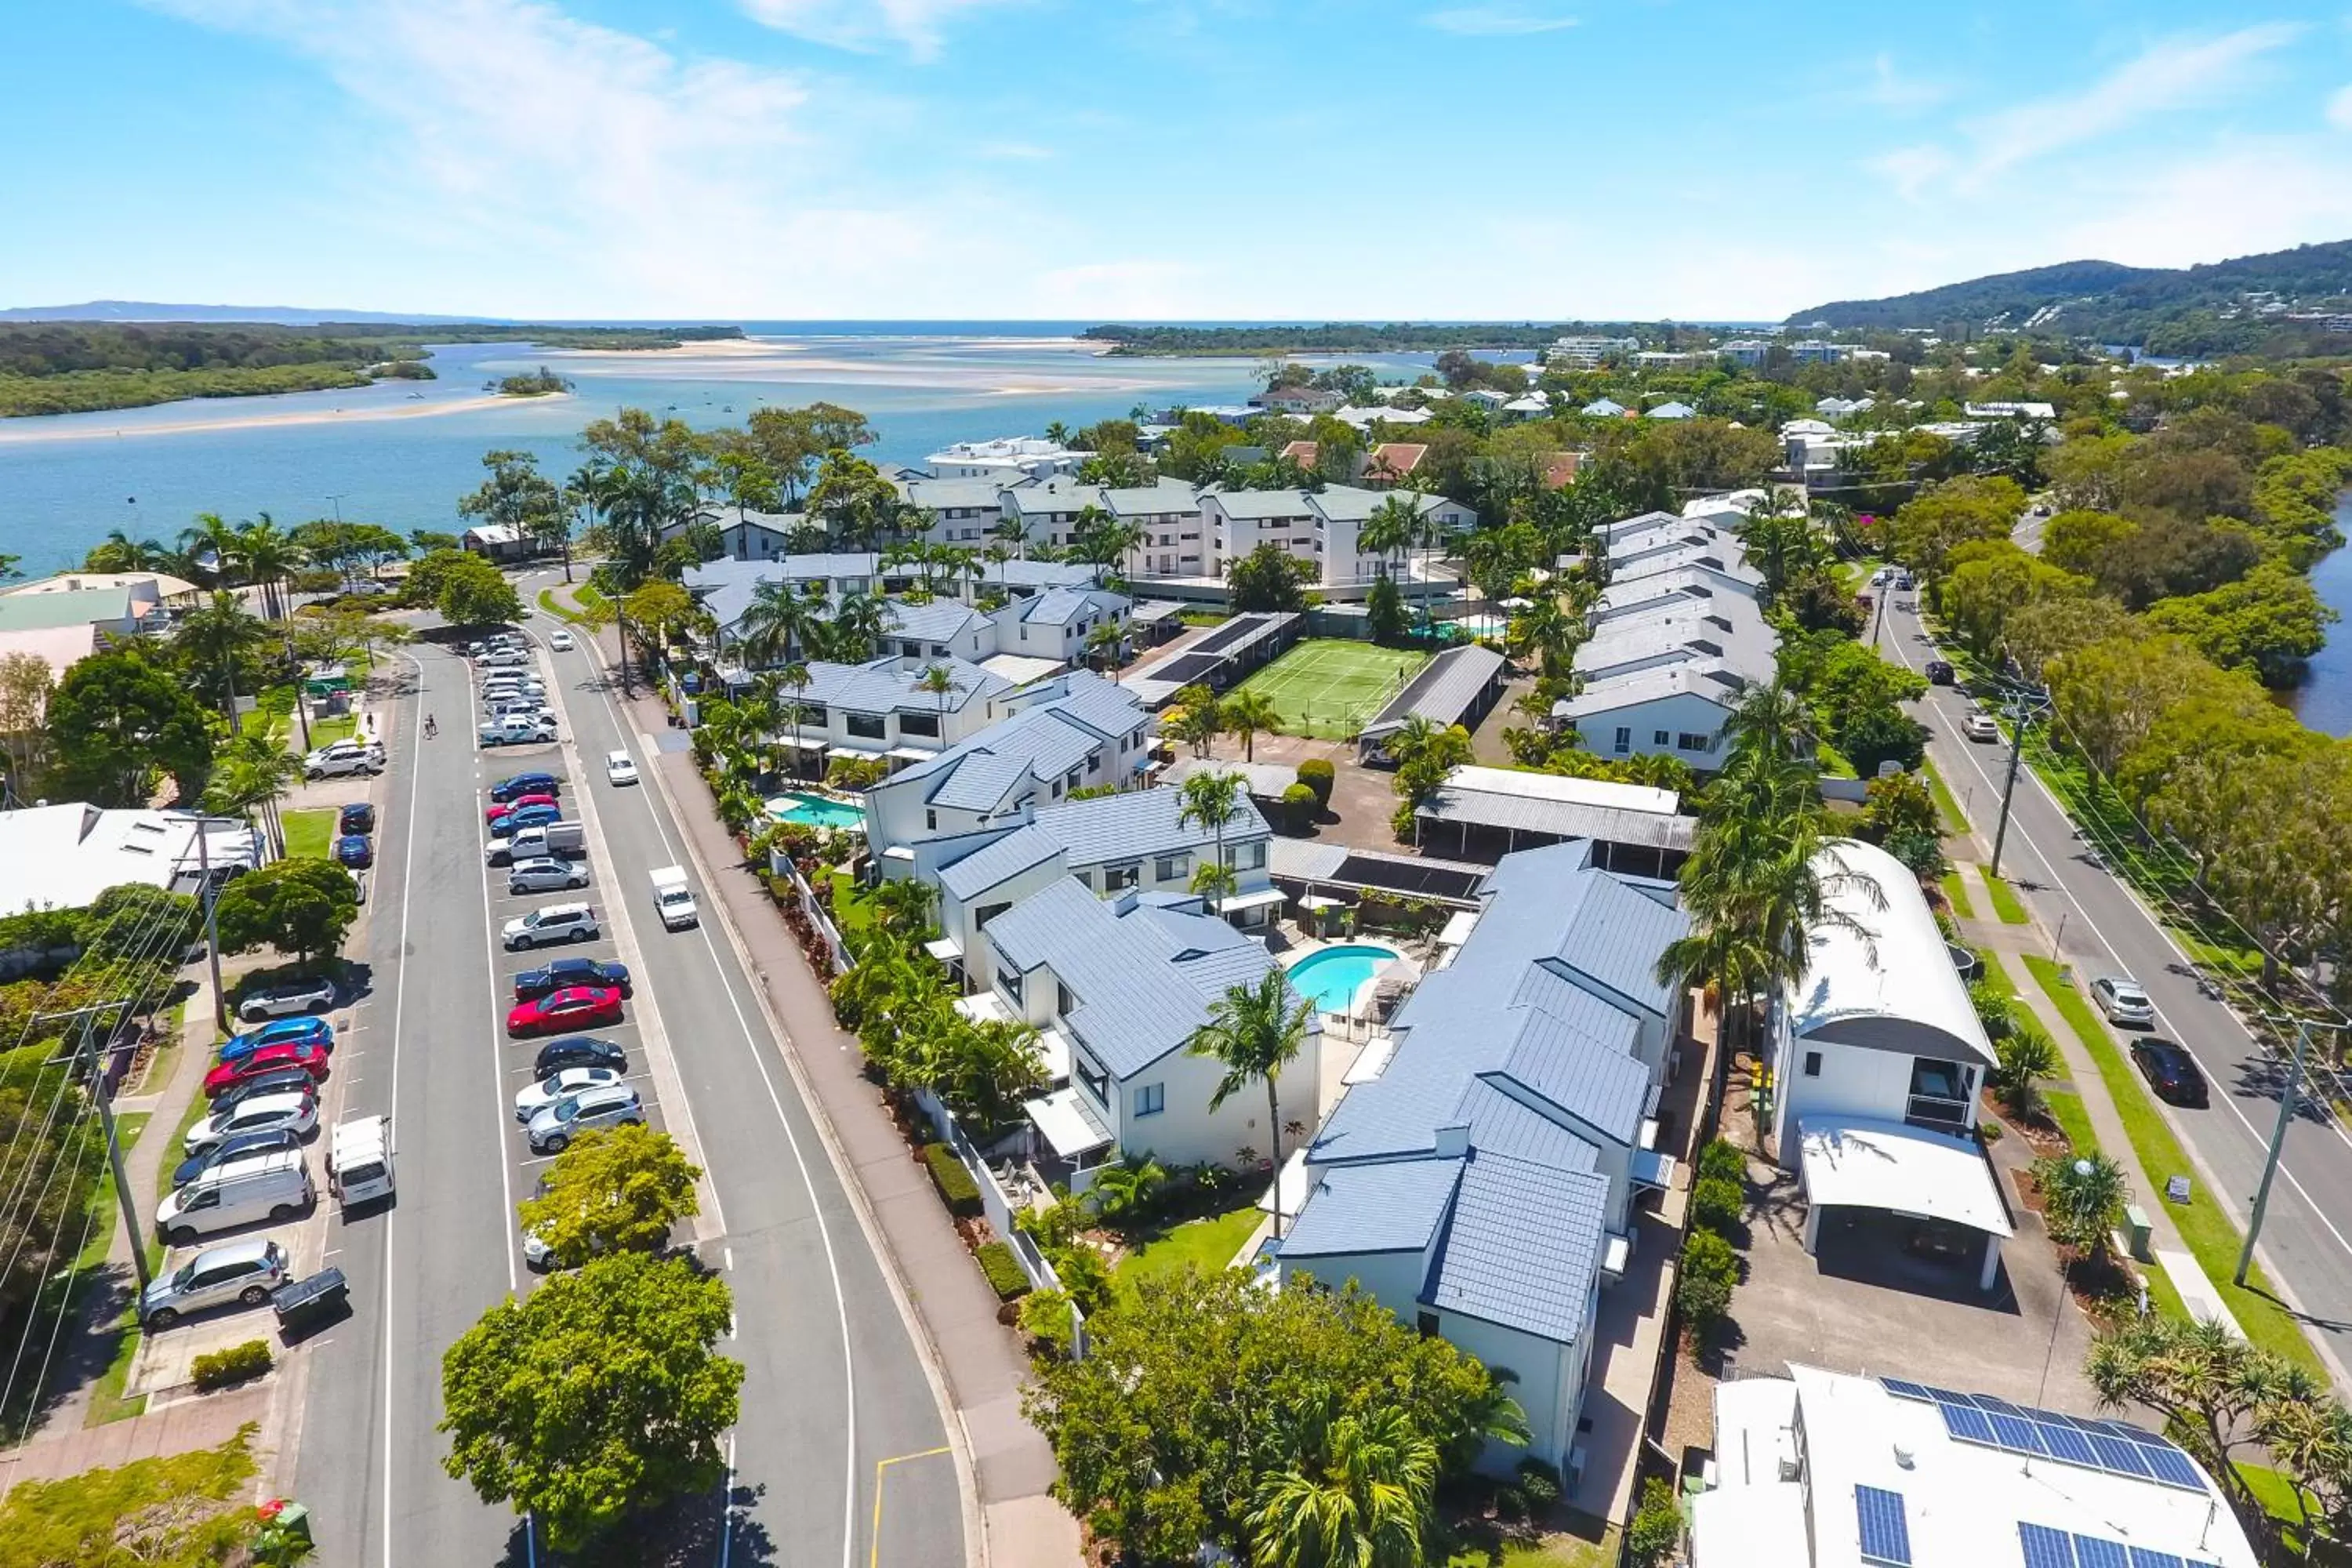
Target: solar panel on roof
2044, 1547
2115, 1454
2172, 1467
1895, 1386
2143, 1558
2065, 1443
2000, 1406
2017, 1432
1967, 1424
2094, 1552
1885, 1534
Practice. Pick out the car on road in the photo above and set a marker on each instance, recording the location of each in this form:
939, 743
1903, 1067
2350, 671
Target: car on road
566, 1009
278, 1081
241, 1271
313, 1059
530, 1101
578, 1051
357, 816
1940, 672
268, 1142
550, 924
298, 1111
302, 1031
1980, 726
344, 759
560, 640
1902, 580
516, 731
2122, 1000
551, 1131
558, 972
1881, 575
524, 816
515, 786
498, 809
2170, 1072
545, 874
355, 850
619, 769
285, 1000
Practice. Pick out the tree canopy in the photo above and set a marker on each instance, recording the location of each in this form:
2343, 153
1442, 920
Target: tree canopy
612, 1190
119, 718
300, 905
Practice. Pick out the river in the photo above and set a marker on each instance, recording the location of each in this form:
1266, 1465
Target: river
2324, 700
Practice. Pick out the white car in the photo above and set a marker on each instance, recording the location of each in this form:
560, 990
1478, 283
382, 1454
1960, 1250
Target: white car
530, 1103
550, 924
556, 1124
342, 759
545, 874
518, 731
290, 1000
2121, 999
297, 1111
506, 658
1980, 727
619, 769
560, 640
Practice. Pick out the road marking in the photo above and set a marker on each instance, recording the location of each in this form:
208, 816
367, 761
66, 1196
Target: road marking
874, 1541
399, 1000
491, 956
728, 1254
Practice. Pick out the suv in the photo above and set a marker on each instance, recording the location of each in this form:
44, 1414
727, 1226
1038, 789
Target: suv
1940, 672
554, 1127
522, 785
545, 874
1980, 726
290, 1000
550, 924
358, 816
557, 973
2121, 999
263, 1112
507, 823
244, 1271
342, 758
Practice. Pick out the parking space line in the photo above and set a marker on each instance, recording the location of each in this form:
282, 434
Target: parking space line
873, 1540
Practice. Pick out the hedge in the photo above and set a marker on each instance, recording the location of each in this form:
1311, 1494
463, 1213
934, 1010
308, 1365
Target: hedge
956, 1189
1318, 774
235, 1364
1004, 1270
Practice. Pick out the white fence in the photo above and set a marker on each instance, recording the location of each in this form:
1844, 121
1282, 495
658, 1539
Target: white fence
780, 865
998, 1207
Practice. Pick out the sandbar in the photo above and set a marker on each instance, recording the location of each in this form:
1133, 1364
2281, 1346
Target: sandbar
23, 429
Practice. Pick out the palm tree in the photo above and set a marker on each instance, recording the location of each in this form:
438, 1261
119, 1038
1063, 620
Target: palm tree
1211, 799
796, 676
210, 544
267, 557
780, 620
1012, 531
213, 637
902, 906
938, 681
1393, 527
1356, 1494
1246, 713
1255, 1031
858, 621
1773, 721
1107, 643
253, 774
1124, 1187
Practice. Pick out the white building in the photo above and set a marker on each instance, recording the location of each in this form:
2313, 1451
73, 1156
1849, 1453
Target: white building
1049, 510
878, 711
1008, 458
1583, 352
64, 856
1168, 513
1321, 527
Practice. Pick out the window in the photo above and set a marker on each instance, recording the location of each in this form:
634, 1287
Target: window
1058, 795
865, 726
1071, 778
1008, 980
1689, 742
1169, 867
1624, 740
1116, 878
1150, 1099
1660, 738
1063, 1003
1250, 857
1426, 1324
812, 714
987, 912
1812, 1064
1094, 764
1097, 1081
931, 820
1085, 878
919, 724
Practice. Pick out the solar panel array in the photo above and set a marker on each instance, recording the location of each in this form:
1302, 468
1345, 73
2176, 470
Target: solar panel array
1885, 1533
2117, 1447
2047, 1547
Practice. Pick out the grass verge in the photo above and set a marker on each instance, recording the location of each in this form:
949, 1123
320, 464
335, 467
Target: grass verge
1955, 822
2204, 1228
547, 601
1203, 1243
338, 727
1956, 893
2005, 900
2066, 1111
309, 833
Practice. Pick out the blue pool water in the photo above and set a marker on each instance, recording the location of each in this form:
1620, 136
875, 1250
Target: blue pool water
1331, 976
815, 810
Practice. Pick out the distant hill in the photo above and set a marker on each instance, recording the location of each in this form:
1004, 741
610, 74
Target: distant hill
272, 315
2190, 309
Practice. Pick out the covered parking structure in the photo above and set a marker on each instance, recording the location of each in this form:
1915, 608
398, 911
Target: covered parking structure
1912, 1173
1459, 687
1484, 814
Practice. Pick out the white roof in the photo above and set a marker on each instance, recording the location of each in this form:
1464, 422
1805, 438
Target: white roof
1069, 1126
1019, 668
63, 856
1556, 787
1856, 1162
1889, 965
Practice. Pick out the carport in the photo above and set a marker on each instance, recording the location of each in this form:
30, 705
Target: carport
1910, 1172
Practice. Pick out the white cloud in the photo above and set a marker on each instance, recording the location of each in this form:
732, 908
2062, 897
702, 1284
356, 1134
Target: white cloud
2247, 197
1911, 169
1889, 89
866, 26
1494, 21
2339, 109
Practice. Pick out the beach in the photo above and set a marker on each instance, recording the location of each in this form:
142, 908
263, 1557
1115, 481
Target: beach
36, 428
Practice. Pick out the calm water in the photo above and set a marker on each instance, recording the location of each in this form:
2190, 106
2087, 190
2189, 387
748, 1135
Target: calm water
148, 470
2324, 700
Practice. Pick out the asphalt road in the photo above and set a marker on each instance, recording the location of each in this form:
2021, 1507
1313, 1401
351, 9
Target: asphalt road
833, 1391
2103, 929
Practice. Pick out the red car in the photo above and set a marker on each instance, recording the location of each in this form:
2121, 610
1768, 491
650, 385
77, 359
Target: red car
573, 1007
304, 1054
500, 808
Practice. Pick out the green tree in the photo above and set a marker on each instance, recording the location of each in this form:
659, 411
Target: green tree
2201, 1377
473, 592
1943, 517
1195, 718
181, 1511
1385, 617
518, 496
214, 639
598, 1398
1357, 1493
623, 1189
115, 721
253, 774
301, 906
1247, 714
1253, 1032
26, 684
2027, 1055
2269, 621
1656, 1533
1125, 1186
1268, 578
1211, 800
2083, 1198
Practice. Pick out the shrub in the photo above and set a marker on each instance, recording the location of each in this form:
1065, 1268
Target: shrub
1002, 1266
1540, 1483
1657, 1526
1046, 1318
1710, 1269
1318, 774
1723, 1158
2026, 1055
956, 1189
1299, 807
1510, 1503
233, 1364
1716, 1204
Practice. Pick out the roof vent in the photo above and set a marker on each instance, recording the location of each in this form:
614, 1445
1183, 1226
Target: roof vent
1903, 1456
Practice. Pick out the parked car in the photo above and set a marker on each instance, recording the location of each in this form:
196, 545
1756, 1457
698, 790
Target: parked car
309, 1031
242, 1271
227, 1149
506, 658
278, 1081
550, 924
568, 1009
518, 785
2170, 1072
498, 809
285, 1000
516, 731
299, 1112
558, 973
619, 769
1940, 672
358, 816
342, 759
2122, 1000
551, 1131
528, 1103
355, 851
1980, 726
313, 1059
525, 816
563, 840
578, 1051
546, 874
560, 640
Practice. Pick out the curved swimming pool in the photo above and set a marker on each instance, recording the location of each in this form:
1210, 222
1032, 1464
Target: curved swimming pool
816, 810
1330, 977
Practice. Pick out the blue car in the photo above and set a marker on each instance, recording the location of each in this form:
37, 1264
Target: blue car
354, 850
525, 783
358, 818
281, 1032
529, 817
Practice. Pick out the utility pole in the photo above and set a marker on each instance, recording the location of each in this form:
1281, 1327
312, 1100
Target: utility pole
87, 1054
301, 711
207, 891
2023, 709
2304, 1029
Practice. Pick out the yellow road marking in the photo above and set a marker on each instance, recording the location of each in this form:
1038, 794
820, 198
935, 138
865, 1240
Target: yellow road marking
874, 1556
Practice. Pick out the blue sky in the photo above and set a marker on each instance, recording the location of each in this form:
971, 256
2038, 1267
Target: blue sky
1054, 159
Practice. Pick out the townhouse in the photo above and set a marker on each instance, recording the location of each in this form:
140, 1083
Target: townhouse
879, 710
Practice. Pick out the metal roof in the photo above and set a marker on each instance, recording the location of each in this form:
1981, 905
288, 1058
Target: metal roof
1135, 823
883, 687
1391, 1207
1443, 691
1567, 811
1522, 1247
1710, 681
938, 621
1879, 974
992, 864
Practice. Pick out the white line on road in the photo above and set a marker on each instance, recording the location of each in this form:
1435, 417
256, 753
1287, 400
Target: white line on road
399, 998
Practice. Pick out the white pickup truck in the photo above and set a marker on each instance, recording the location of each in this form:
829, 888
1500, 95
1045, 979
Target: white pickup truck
674, 899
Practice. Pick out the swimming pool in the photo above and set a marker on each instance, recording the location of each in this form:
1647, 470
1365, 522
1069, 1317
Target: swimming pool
1330, 977
816, 810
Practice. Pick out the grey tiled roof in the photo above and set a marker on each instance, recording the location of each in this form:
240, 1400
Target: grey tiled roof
986, 867
1049, 498
882, 686
1521, 1246
1168, 498
1391, 1207
1728, 628
1060, 606
1137, 823
1259, 504
1442, 691
1710, 680
1559, 819
981, 782
1047, 739
938, 621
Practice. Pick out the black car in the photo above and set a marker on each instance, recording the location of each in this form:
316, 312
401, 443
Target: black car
1940, 672
228, 1149
558, 972
358, 818
278, 1081
577, 1051
520, 784
2170, 1072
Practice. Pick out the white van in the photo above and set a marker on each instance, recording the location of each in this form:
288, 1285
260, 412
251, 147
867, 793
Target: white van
359, 1160
272, 1187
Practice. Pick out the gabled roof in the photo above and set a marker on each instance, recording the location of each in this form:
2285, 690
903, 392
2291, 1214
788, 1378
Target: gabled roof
938, 495
1258, 505
1060, 606
941, 620
1729, 629
1442, 691
1522, 1247
1054, 497
1163, 498
1709, 680
68, 608
883, 687
1137, 823
1392, 1207
1047, 739
992, 864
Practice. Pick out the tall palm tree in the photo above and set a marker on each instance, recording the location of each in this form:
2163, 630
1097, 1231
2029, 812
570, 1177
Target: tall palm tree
1770, 721
213, 636
1211, 800
1107, 643
796, 676
1012, 531
940, 682
858, 622
1393, 527
1356, 1494
252, 775
1247, 713
210, 545
1256, 1031
782, 620
267, 556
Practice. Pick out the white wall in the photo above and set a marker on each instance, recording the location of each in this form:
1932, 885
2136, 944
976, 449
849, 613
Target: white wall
1677, 715
1188, 1131
1549, 1386
1852, 1082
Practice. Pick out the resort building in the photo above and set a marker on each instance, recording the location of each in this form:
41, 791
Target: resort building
1008, 458
1583, 352
111, 607
64, 856
962, 511
879, 710
726, 588
1319, 527
1048, 511
1168, 513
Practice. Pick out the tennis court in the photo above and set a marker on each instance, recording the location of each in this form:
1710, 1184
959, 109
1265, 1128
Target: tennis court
1328, 687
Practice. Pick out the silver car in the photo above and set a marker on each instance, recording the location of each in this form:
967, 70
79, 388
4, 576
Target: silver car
530, 1101
2122, 1000
243, 1272
297, 1111
554, 1126
546, 874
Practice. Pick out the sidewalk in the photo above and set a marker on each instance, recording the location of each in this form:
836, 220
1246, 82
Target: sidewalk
982, 1362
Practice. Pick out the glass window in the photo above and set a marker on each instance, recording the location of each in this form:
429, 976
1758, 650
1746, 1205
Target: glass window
1690, 742
1116, 878
865, 726
1624, 740
1064, 1002
930, 819
1008, 980
1660, 738
1150, 1099
1169, 867
1097, 1081
1812, 1064
919, 724
987, 912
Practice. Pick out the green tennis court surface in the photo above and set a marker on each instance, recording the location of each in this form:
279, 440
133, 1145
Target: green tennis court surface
1328, 688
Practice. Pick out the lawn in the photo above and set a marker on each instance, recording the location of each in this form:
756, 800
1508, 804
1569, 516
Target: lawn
2005, 900
1207, 1244
1956, 893
311, 833
1955, 822
1328, 687
2204, 1228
